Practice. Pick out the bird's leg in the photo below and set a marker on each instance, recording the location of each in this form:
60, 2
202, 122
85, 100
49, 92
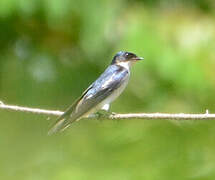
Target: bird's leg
103, 112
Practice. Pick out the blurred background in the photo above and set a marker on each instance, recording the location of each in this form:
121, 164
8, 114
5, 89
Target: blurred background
51, 50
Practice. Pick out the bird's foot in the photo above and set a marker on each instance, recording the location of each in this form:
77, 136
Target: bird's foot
102, 114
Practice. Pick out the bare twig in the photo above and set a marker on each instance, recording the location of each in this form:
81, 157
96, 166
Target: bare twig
180, 116
30, 110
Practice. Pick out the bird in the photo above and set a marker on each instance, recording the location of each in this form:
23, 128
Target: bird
98, 96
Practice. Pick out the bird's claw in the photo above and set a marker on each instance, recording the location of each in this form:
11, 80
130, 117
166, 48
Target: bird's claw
102, 114
113, 113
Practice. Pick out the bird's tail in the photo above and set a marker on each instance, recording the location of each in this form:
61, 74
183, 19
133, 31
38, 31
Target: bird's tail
67, 118
61, 124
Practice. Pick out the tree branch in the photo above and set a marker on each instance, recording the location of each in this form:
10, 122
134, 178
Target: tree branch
180, 116
30, 110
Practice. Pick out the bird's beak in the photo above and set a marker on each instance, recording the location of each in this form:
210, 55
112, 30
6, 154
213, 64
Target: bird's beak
138, 58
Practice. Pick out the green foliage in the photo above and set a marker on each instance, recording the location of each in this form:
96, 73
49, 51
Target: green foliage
51, 50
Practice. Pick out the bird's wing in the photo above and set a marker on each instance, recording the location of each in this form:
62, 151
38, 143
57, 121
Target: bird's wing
109, 81
65, 117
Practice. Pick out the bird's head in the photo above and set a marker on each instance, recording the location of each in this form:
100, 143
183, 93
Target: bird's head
123, 57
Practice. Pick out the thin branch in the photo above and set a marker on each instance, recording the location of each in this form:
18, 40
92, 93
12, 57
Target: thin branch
30, 110
180, 116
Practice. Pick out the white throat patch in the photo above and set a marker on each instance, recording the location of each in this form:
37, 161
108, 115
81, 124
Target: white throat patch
126, 64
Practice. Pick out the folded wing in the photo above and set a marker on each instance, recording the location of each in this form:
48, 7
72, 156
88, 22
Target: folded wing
109, 81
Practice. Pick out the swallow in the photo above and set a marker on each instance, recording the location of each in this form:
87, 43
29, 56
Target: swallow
100, 93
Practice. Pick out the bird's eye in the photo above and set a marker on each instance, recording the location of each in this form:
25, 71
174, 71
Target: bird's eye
128, 55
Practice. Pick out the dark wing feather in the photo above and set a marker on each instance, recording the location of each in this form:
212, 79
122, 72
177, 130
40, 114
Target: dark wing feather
109, 81
65, 117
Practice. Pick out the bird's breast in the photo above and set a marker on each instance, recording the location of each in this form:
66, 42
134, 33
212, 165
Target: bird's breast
115, 93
